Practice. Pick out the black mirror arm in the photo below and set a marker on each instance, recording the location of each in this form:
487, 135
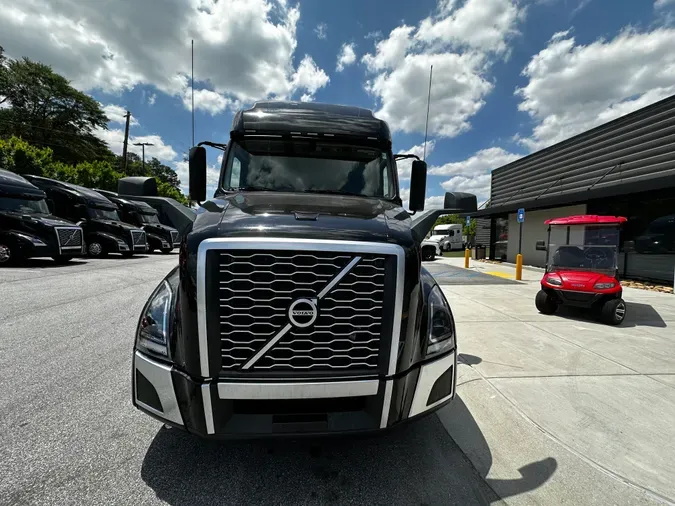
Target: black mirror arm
402, 156
217, 145
423, 222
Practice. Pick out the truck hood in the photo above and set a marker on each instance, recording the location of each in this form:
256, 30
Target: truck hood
158, 229
115, 227
304, 215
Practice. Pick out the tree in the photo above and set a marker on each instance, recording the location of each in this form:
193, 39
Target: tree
16, 155
45, 110
166, 190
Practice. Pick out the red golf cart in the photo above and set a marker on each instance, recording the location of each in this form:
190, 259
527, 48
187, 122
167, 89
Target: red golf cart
581, 266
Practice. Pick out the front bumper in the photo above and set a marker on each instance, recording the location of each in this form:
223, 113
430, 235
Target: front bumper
225, 409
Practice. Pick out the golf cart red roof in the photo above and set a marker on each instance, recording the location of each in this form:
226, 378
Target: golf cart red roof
587, 219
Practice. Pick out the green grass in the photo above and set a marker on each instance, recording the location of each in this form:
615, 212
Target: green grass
454, 254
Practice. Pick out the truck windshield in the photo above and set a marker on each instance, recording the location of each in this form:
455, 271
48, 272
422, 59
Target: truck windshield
308, 166
103, 214
24, 206
148, 218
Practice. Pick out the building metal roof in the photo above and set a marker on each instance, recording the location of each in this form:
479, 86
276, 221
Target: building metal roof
628, 150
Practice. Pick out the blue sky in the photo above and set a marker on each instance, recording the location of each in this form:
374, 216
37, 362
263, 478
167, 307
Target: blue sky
509, 77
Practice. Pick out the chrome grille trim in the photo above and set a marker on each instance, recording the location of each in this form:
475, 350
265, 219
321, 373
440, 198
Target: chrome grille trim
74, 244
138, 238
348, 248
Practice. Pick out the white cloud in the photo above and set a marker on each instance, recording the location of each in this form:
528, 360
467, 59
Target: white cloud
376, 34
306, 97
321, 31
404, 166
116, 114
479, 186
481, 163
244, 49
434, 202
309, 77
485, 25
660, 4
206, 100
346, 57
391, 51
461, 42
456, 96
573, 88
152, 98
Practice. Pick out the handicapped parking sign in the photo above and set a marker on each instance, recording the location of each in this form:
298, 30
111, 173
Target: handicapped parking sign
521, 215
468, 221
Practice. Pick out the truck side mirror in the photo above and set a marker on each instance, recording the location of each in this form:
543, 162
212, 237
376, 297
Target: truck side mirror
540, 245
198, 173
460, 202
418, 185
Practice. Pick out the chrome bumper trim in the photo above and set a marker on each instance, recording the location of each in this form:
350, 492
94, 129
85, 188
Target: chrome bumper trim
159, 375
297, 390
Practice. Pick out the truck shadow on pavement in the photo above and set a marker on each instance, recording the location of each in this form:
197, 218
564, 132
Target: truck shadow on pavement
43, 263
417, 463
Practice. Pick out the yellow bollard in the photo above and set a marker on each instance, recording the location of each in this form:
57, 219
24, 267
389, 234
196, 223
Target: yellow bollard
519, 267
467, 255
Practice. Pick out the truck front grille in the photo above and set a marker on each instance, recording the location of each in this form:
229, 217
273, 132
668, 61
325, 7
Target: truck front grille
138, 238
70, 238
174, 237
257, 288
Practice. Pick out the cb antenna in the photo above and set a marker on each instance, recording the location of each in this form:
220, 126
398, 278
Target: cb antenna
193, 93
426, 128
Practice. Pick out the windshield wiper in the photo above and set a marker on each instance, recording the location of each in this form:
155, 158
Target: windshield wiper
335, 192
248, 189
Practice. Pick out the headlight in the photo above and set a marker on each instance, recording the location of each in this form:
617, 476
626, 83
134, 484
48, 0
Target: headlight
554, 281
440, 325
153, 329
604, 286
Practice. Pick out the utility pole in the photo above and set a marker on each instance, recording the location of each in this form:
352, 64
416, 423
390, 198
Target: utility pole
143, 144
126, 143
193, 93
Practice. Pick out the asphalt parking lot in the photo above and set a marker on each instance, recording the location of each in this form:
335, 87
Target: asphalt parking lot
550, 410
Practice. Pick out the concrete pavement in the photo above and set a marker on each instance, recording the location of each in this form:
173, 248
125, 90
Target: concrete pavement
564, 409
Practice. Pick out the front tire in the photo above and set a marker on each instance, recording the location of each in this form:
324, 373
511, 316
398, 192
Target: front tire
545, 303
96, 250
5, 254
613, 312
127, 254
62, 259
428, 254
166, 251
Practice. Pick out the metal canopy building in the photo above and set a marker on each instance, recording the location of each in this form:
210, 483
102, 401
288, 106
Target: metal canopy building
625, 167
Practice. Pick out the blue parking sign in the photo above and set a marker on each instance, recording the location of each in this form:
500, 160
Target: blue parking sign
521, 215
468, 221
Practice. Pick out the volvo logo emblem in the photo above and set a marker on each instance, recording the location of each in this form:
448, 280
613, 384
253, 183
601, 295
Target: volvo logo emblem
303, 312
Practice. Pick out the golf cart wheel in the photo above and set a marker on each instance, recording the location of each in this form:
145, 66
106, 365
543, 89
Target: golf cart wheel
166, 251
95, 249
62, 259
5, 254
428, 253
614, 311
545, 303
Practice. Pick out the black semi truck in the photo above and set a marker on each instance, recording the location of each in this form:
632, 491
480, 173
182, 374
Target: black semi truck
300, 304
159, 237
27, 227
103, 231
